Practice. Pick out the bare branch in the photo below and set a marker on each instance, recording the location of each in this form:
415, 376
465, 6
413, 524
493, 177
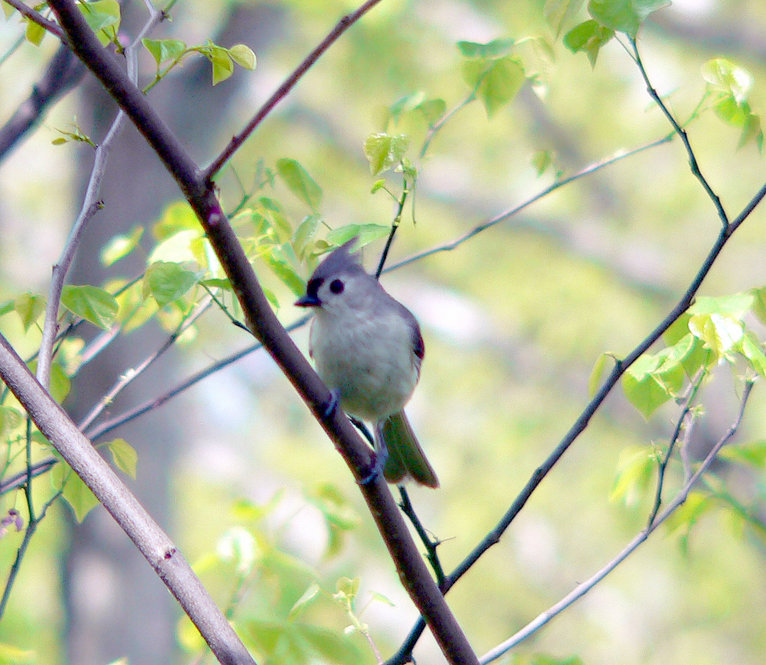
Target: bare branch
631, 547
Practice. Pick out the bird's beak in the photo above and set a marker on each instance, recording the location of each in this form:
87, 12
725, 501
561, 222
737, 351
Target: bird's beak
308, 301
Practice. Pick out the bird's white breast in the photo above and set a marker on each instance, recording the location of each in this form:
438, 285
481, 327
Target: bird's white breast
368, 357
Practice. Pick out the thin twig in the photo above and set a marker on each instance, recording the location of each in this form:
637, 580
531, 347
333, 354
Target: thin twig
584, 587
344, 24
695, 169
131, 375
90, 206
510, 212
683, 423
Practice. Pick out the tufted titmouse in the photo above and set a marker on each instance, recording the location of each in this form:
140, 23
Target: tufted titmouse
368, 349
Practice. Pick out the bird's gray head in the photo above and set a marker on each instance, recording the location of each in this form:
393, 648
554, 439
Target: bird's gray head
339, 281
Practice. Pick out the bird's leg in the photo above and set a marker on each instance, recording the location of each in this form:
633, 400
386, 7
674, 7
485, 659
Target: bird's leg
333, 404
380, 456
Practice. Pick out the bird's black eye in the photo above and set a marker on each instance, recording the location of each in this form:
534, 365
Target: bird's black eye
336, 286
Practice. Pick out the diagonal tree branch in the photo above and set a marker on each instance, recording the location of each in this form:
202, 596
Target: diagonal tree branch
268, 330
150, 540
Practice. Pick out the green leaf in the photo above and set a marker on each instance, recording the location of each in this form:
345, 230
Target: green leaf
60, 383
730, 86
238, 546
34, 33
559, 12
243, 56
588, 37
496, 81
753, 351
121, 246
385, 150
365, 234
635, 470
432, 110
164, 50
285, 265
91, 303
624, 15
103, 17
300, 182
29, 307
223, 66
752, 453
305, 600
178, 216
735, 305
303, 237
167, 282
10, 419
687, 515
719, 332
124, 456
76, 493
13, 655
494, 49
598, 371
653, 379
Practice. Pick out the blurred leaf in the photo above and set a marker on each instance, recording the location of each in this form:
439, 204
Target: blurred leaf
178, 216
753, 351
13, 655
163, 50
624, 15
91, 303
285, 265
10, 419
719, 332
188, 636
79, 497
597, 373
238, 546
494, 49
300, 182
167, 282
60, 383
588, 37
365, 234
124, 456
29, 307
304, 601
243, 55
303, 236
636, 467
385, 150
121, 246
752, 453
735, 305
496, 81
560, 12
688, 514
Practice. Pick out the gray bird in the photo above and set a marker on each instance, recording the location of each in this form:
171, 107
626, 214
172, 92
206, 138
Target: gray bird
367, 348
